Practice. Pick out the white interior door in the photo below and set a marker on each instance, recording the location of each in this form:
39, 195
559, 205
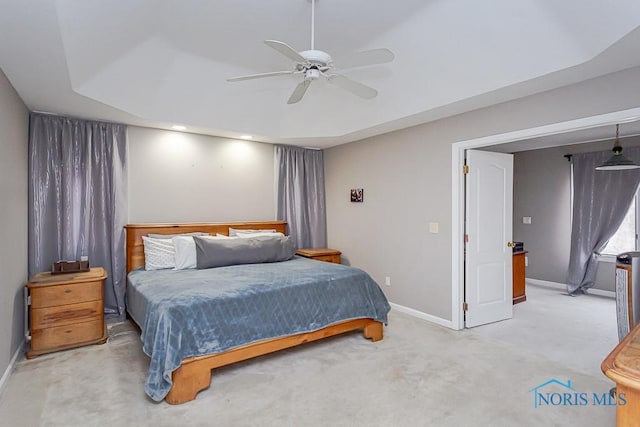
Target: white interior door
489, 229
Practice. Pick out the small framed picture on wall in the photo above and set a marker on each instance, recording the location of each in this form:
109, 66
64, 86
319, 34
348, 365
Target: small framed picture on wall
357, 195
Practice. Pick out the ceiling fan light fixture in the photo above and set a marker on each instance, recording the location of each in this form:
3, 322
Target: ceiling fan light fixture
312, 74
617, 162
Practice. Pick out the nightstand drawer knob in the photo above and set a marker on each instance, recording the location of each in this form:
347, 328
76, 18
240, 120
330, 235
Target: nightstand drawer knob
68, 331
68, 291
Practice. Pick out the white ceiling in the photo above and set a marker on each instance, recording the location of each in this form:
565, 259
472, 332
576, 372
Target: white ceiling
164, 62
629, 133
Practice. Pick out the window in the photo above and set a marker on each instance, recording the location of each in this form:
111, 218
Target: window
625, 239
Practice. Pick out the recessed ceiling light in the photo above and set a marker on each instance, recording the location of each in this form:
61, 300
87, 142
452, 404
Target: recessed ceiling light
246, 137
178, 127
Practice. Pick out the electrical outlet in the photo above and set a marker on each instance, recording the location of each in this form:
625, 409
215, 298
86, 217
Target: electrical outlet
526, 220
387, 281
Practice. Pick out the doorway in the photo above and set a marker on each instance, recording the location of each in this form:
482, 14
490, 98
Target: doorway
536, 136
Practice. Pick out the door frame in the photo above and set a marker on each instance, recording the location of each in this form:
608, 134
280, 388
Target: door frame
457, 187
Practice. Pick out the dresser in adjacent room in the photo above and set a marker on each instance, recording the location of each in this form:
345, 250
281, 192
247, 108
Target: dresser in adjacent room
519, 275
66, 310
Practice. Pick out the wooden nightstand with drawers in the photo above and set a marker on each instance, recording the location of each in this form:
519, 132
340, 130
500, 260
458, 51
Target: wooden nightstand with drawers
321, 254
66, 311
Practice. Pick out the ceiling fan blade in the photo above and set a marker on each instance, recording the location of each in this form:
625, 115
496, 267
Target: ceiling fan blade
259, 76
286, 50
367, 57
299, 92
355, 88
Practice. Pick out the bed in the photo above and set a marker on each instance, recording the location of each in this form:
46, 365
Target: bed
193, 321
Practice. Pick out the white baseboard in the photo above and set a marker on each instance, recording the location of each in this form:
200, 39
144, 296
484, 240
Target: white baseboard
9, 370
562, 286
420, 315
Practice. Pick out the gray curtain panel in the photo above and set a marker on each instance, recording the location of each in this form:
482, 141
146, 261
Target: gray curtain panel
78, 198
601, 199
300, 196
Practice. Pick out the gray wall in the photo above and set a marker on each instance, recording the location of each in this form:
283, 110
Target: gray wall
406, 176
14, 125
182, 177
542, 190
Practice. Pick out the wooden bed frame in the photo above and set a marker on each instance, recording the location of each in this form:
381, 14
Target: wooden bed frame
194, 374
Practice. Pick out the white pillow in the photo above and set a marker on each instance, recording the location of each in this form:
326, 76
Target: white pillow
158, 253
224, 236
170, 236
233, 231
185, 251
258, 234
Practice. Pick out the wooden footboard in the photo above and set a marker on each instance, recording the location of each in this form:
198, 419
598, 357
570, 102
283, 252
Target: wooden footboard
194, 374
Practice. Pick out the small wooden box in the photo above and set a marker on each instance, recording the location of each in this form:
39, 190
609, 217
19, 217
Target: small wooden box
64, 267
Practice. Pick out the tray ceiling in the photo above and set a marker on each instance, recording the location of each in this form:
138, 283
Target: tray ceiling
163, 62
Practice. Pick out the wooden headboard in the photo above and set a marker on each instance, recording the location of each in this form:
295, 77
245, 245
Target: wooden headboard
135, 249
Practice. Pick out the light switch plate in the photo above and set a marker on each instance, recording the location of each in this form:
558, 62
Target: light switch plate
434, 227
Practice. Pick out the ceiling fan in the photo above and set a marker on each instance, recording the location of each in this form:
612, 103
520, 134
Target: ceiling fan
313, 64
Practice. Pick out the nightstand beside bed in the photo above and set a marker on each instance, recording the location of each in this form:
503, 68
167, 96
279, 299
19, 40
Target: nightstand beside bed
65, 311
321, 254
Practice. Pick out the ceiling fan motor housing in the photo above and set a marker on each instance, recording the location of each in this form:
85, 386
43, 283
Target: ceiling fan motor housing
316, 57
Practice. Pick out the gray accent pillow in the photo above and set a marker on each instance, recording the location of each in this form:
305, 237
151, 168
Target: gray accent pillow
221, 252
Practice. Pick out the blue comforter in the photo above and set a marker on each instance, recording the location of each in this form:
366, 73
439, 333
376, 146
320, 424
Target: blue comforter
195, 312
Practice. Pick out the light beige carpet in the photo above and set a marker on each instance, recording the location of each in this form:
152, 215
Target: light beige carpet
576, 331
419, 375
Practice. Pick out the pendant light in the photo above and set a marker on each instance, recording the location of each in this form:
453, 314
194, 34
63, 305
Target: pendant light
617, 162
